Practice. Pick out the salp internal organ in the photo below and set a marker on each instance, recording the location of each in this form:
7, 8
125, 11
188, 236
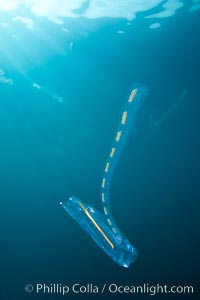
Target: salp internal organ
101, 225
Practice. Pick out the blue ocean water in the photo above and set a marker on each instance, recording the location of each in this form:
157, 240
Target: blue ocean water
63, 82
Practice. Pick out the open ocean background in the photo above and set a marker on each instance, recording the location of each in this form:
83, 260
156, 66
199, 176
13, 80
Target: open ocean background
60, 99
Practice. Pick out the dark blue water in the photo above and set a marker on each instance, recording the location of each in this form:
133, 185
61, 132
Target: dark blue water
58, 116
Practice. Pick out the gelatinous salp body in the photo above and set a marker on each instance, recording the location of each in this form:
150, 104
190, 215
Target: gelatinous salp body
101, 226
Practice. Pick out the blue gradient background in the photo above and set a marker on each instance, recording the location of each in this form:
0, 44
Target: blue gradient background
50, 151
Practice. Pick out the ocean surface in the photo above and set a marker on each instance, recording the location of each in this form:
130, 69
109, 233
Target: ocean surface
65, 71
